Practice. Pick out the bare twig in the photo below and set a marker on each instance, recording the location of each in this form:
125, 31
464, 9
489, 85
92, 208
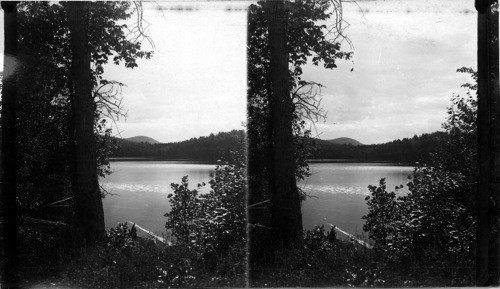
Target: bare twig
59, 201
138, 29
259, 203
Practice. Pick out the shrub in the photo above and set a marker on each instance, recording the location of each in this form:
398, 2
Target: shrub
184, 211
432, 228
213, 224
121, 237
125, 261
383, 212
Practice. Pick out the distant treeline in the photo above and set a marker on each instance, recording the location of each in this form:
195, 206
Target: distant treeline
210, 148
408, 150
214, 147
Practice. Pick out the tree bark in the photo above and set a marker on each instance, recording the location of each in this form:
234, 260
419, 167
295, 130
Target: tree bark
89, 215
9, 182
487, 251
286, 216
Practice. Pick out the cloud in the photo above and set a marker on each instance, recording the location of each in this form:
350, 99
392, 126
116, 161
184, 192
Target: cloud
195, 83
404, 73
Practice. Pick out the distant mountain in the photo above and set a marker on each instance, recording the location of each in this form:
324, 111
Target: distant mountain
210, 148
345, 140
407, 150
216, 146
141, 138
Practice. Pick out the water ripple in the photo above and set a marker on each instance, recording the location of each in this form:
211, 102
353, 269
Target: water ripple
135, 187
336, 189
148, 188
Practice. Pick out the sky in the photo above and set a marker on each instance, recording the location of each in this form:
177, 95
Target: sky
403, 76
195, 83
406, 54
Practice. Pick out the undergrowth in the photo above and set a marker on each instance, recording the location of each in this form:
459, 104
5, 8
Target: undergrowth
128, 261
325, 261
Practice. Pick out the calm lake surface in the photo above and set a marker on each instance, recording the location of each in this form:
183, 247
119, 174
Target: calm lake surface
338, 191
140, 190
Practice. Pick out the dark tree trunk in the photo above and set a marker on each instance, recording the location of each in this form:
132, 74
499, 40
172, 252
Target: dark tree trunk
9, 190
487, 253
286, 217
89, 215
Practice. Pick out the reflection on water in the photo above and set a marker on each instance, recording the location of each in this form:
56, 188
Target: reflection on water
335, 189
138, 190
111, 187
337, 192
356, 175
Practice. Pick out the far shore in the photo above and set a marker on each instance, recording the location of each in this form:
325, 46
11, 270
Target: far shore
312, 161
154, 159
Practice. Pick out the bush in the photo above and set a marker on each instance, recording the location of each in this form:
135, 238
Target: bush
432, 228
121, 238
125, 261
320, 260
383, 210
184, 211
427, 225
213, 224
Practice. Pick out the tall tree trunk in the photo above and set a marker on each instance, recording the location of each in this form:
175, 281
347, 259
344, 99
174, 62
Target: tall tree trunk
488, 253
9, 190
286, 216
89, 215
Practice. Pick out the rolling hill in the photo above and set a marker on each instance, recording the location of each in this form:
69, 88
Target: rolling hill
345, 140
407, 150
141, 138
211, 147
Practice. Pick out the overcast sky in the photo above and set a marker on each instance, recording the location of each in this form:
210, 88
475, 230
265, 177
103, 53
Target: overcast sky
195, 84
405, 57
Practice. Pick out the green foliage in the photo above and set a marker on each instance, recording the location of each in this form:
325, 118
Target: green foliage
44, 118
106, 146
306, 41
124, 262
121, 238
324, 261
383, 209
127, 261
213, 224
44, 113
177, 272
224, 218
321, 260
427, 224
45, 60
315, 239
184, 211
432, 228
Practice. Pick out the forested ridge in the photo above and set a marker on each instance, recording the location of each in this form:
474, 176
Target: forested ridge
210, 148
407, 150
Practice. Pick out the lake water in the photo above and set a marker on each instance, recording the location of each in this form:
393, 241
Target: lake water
139, 190
338, 191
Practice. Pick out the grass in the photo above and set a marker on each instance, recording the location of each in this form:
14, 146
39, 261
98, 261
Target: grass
132, 262
321, 261
126, 261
